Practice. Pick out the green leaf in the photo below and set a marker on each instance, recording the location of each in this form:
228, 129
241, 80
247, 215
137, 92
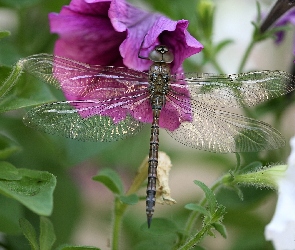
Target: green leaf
198, 208
221, 229
4, 33
10, 212
8, 172
160, 227
32, 188
47, 235
19, 3
209, 196
7, 147
154, 245
77, 248
29, 232
27, 91
111, 180
130, 199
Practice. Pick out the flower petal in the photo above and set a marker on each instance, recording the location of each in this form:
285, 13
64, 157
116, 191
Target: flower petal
281, 229
87, 37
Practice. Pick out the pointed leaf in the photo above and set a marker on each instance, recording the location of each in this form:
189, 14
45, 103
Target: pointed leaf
47, 235
130, 199
111, 180
7, 147
198, 208
29, 232
221, 229
209, 196
32, 188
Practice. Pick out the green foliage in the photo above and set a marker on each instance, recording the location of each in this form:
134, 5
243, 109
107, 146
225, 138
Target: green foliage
27, 189
7, 147
111, 180
78, 248
4, 33
9, 213
32, 188
30, 233
47, 236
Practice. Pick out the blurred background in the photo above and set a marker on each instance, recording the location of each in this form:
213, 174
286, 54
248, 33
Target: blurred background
82, 207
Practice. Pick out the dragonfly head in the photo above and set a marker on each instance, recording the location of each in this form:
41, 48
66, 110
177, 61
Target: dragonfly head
161, 53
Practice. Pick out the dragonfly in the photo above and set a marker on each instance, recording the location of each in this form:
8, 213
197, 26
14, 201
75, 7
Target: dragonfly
115, 102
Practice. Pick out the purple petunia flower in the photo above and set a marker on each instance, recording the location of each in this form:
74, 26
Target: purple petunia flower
287, 18
110, 33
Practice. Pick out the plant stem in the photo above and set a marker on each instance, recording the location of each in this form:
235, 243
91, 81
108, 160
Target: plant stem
217, 66
11, 79
197, 238
118, 214
194, 215
246, 56
120, 208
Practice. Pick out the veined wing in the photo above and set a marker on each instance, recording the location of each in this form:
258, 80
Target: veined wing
83, 80
245, 89
220, 131
64, 119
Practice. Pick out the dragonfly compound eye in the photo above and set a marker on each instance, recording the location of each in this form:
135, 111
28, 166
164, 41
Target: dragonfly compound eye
161, 53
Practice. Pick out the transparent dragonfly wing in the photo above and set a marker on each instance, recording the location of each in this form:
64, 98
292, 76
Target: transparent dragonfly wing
83, 80
236, 90
64, 119
223, 132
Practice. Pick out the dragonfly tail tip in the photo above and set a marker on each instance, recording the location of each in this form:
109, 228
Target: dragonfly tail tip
149, 220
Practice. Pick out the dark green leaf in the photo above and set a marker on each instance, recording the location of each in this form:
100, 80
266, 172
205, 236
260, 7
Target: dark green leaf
111, 180
77, 248
22, 92
221, 229
7, 147
47, 235
209, 196
10, 212
4, 33
130, 199
19, 3
160, 227
154, 245
29, 232
198, 208
32, 188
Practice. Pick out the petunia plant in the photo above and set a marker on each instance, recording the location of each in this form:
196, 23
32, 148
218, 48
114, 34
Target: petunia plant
65, 194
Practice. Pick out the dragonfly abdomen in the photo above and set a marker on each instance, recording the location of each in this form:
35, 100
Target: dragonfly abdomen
153, 164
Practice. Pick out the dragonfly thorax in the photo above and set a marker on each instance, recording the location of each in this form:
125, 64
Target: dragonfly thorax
159, 79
